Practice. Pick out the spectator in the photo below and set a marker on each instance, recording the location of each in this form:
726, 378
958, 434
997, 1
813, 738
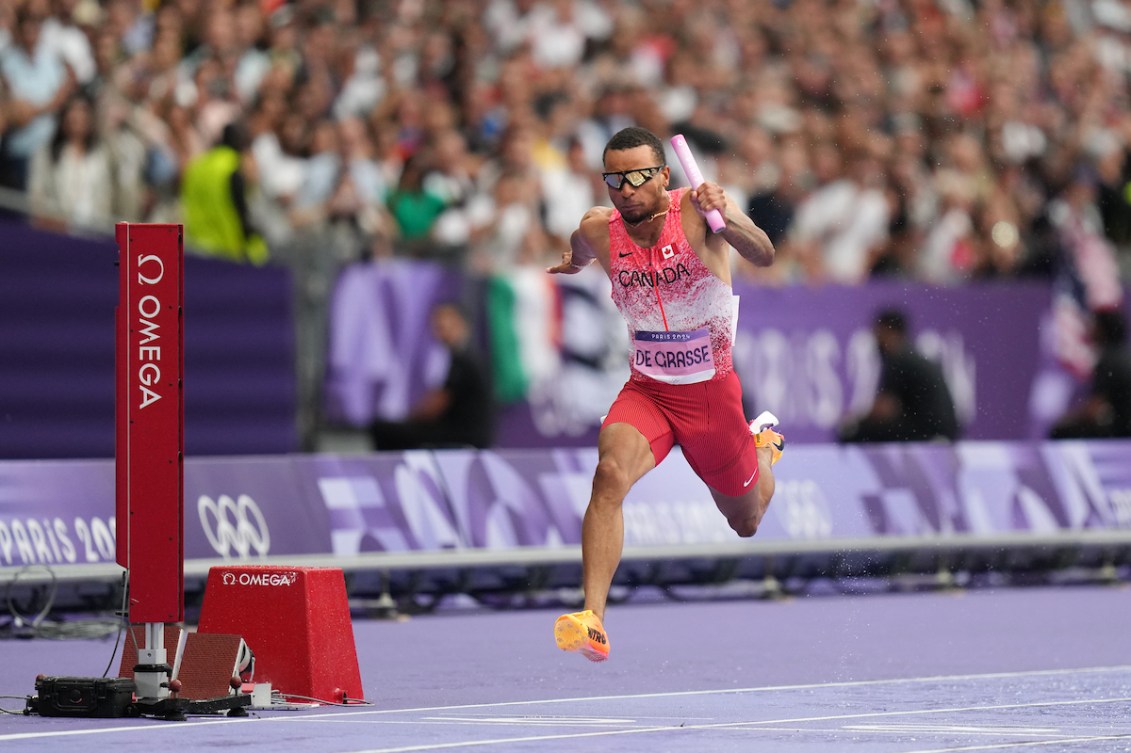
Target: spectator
212, 96
284, 39
359, 67
173, 141
774, 207
414, 208
71, 178
451, 177
572, 190
947, 249
134, 176
253, 63
912, 198
319, 179
62, 35
214, 194
341, 188
280, 147
362, 188
514, 236
951, 119
1114, 201
840, 228
38, 83
457, 413
1106, 409
1086, 251
913, 402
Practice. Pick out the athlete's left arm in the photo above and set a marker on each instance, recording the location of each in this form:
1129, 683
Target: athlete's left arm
748, 239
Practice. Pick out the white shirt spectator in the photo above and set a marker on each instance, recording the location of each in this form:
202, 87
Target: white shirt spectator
36, 78
280, 174
364, 88
568, 196
72, 45
72, 188
846, 222
555, 38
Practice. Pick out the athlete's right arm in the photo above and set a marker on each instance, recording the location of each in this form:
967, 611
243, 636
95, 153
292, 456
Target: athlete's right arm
590, 241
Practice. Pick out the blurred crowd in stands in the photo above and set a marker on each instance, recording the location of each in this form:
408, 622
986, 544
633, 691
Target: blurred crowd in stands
938, 140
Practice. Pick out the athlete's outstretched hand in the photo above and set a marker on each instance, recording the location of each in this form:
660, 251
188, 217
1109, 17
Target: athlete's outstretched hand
578, 256
566, 267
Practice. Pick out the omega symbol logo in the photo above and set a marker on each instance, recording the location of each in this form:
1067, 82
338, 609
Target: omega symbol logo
259, 579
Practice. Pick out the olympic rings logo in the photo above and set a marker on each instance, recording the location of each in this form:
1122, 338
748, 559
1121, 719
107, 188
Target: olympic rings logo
234, 528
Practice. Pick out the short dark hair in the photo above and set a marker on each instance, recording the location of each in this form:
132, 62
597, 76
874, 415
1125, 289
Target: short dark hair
235, 136
893, 320
632, 137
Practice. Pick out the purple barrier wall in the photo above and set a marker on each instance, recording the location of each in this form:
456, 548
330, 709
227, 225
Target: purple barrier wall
57, 299
805, 353
241, 509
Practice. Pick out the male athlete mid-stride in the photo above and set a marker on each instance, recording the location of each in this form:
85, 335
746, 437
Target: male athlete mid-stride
671, 281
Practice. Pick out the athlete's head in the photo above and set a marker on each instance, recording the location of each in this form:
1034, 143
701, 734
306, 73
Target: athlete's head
632, 137
636, 173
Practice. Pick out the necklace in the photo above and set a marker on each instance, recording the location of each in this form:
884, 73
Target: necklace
638, 223
647, 219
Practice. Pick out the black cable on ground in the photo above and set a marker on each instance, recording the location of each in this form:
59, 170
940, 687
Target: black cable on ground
123, 620
25, 626
9, 711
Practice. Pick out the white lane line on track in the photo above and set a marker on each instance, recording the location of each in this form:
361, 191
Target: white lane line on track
1035, 744
747, 725
337, 716
564, 721
763, 689
958, 729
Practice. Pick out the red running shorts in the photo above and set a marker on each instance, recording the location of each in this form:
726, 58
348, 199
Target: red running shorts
706, 420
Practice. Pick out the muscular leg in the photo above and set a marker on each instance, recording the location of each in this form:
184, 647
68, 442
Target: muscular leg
623, 456
745, 513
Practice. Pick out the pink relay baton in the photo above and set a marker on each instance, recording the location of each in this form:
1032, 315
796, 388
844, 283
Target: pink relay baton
695, 177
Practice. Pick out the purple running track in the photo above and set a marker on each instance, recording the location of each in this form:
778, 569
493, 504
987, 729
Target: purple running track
1011, 669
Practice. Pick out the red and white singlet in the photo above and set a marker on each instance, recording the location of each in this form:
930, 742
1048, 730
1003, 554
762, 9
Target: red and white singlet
679, 314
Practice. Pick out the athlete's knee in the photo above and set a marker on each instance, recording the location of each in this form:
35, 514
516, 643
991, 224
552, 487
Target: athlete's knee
746, 520
745, 526
611, 481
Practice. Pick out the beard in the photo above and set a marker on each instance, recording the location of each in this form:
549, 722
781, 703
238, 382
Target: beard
638, 215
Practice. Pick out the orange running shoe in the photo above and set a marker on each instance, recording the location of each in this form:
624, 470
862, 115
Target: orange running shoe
582, 632
765, 436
